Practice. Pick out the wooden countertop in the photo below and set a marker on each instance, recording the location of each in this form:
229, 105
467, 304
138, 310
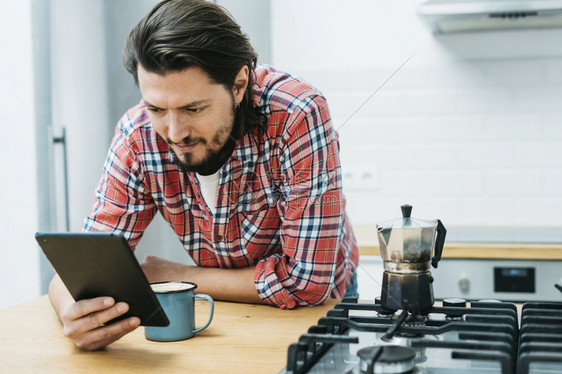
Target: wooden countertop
368, 245
242, 338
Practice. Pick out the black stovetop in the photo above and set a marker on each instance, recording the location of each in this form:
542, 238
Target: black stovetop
469, 337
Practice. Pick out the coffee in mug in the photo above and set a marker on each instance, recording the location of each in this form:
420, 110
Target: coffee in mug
178, 301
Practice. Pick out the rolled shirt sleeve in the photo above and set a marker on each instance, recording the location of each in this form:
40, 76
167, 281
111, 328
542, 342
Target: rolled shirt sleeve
312, 206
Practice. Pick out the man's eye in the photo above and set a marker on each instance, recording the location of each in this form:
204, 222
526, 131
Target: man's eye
195, 110
154, 110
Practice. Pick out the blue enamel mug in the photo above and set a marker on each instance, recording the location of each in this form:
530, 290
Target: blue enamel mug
178, 301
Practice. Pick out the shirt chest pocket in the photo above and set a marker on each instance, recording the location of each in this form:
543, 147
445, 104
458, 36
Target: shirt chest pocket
259, 222
256, 202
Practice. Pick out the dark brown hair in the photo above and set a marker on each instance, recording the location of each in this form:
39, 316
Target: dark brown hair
178, 34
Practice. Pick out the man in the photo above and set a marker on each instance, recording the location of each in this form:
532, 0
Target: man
242, 161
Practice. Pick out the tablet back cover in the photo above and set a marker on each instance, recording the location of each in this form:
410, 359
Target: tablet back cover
102, 264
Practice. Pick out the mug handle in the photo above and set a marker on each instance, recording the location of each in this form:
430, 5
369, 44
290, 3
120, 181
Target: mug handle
212, 311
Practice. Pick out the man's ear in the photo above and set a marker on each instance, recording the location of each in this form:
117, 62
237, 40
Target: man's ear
240, 84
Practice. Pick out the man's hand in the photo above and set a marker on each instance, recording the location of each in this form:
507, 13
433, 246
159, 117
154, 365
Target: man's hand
84, 322
158, 269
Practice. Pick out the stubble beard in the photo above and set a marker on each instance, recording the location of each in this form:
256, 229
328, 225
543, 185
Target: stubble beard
210, 164
215, 158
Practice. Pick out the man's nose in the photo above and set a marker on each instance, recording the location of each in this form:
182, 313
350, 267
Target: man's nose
178, 127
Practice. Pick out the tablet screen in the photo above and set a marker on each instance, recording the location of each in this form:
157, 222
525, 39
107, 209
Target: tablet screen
102, 264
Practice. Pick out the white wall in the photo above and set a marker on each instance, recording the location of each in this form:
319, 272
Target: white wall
469, 130
19, 257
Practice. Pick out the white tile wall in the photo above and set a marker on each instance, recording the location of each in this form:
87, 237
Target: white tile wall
469, 130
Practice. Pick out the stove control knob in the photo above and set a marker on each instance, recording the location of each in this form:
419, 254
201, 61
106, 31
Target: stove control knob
461, 303
464, 285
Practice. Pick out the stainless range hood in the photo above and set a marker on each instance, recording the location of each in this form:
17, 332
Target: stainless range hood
447, 16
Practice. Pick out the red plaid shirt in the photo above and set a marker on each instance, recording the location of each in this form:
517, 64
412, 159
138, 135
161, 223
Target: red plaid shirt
280, 206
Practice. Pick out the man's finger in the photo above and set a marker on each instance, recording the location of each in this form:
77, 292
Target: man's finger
84, 307
106, 335
77, 328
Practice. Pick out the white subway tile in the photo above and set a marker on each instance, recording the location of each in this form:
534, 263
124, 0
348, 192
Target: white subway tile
456, 128
485, 211
538, 212
553, 126
408, 78
553, 182
431, 182
455, 75
351, 154
346, 106
542, 99
515, 182
508, 72
553, 71
377, 77
484, 100
461, 182
386, 130
543, 154
407, 182
485, 155
430, 101
505, 127
415, 156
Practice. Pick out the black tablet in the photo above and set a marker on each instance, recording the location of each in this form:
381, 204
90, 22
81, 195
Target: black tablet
103, 264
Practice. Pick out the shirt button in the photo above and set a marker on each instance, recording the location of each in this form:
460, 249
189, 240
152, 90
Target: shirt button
219, 238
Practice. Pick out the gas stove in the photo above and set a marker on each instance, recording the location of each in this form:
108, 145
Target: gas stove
457, 337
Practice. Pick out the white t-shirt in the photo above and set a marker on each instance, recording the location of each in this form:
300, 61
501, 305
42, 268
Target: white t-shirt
209, 185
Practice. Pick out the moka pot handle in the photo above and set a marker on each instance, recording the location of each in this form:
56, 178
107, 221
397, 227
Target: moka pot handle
439, 243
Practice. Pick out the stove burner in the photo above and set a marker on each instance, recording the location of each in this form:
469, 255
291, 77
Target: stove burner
415, 319
388, 359
407, 340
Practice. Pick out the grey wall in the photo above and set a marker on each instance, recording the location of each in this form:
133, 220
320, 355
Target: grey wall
119, 18
43, 119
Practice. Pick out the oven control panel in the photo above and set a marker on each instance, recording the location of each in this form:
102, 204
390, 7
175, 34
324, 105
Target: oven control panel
506, 280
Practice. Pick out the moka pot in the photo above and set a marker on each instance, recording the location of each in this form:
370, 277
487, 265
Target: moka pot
409, 247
